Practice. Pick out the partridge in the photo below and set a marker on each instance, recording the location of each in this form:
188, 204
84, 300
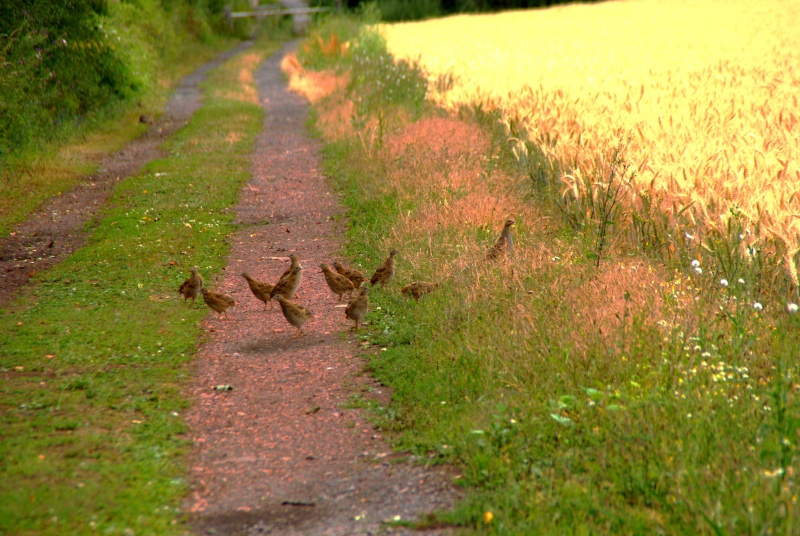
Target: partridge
287, 285
418, 289
357, 307
338, 283
260, 289
385, 273
352, 274
218, 301
503, 244
191, 287
294, 313
295, 263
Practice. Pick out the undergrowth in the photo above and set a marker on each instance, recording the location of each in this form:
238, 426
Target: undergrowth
653, 392
94, 352
75, 80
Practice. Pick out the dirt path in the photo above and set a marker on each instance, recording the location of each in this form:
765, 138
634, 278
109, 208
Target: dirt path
60, 226
279, 454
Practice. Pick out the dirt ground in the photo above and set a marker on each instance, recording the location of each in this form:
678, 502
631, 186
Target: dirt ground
60, 227
281, 453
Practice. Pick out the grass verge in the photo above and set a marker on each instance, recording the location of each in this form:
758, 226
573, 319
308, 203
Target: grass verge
95, 351
637, 395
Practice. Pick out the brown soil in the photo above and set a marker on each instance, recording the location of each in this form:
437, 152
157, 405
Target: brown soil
282, 453
60, 227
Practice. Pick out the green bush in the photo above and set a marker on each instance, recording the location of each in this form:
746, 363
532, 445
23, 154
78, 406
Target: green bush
64, 63
58, 66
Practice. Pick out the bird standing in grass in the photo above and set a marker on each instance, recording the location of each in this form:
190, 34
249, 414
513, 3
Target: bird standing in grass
294, 313
384, 274
418, 289
338, 283
287, 286
260, 289
352, 274
357, 307
191, 287
504, 243
218, 301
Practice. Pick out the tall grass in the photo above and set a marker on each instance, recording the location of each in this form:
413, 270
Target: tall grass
639, 395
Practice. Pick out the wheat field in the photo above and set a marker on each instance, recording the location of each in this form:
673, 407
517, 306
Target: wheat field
709, 90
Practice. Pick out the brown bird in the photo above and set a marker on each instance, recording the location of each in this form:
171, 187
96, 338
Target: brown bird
352, 274
338, 283
191, 287
218, 301
287, 286
385, 273
294, 313
503, 244
295, 262
260, 289
357, 307
418, 289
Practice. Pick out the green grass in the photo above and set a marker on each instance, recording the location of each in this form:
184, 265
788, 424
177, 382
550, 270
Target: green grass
688, 425
94, 352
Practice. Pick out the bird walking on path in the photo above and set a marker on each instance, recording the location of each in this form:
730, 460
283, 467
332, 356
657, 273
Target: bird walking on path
338, 283
287, 286
357, 307
352, 274
294, 313
218, 301
384, 274
418, 289
295, 263
192, 286
260, 289
504, 243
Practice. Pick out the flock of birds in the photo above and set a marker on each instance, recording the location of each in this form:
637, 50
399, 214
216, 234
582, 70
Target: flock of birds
341, 280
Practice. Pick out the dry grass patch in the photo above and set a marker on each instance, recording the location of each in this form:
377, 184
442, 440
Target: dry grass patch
246, 90
313, 85
618, 293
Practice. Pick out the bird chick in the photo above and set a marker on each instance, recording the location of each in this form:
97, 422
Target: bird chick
357, 307
294, 313
418, 289
260, 289
504, 243
352, 274
287, 286
385, 273
191, 287
218, 301
338, 283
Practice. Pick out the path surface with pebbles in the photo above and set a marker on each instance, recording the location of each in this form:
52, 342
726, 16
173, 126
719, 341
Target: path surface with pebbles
281, 453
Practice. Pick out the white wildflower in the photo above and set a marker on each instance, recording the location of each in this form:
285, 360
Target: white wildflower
791, 307
723, 282
695, 263
757, 306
